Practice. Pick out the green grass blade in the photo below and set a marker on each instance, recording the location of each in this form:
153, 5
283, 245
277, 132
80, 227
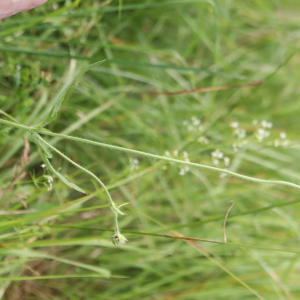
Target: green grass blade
54, 111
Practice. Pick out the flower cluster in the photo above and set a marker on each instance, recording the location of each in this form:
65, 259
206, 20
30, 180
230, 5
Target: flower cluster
239, 136
194, 127
185, 156
218, 158
263, 130
282, 140
194, 124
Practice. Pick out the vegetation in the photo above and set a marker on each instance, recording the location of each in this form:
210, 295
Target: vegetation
187, 88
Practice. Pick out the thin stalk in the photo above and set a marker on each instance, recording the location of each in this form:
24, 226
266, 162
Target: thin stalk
136, 152
114, 206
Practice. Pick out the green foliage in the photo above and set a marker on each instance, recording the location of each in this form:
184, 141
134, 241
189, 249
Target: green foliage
55, 244
54, 111
61, 177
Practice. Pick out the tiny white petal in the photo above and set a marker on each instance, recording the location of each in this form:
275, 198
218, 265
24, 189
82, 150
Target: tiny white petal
234, 124
283, 135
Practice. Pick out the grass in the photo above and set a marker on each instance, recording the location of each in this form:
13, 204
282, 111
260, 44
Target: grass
55, 244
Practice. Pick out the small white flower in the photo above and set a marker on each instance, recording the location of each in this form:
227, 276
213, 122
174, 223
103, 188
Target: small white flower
215, 162
167, 153
241, 133
203, 140
234, 124
226, 161
185, 154
182, 172
217, 154
55, 6
264, 123
262, 134
191, 128
283, 135
43, 166
235, 147
136, 161
195, 121
222, 175
50, 187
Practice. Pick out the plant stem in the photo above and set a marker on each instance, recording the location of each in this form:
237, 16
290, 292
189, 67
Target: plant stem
78, 166
136, 152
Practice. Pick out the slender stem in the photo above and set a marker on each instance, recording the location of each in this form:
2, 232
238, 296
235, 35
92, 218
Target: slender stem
13, 124
136, 152
80, 167
117, 229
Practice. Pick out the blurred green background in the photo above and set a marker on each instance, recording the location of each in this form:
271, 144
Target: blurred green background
152, 46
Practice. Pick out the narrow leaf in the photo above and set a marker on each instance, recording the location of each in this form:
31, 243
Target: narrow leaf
61, 177
54, 111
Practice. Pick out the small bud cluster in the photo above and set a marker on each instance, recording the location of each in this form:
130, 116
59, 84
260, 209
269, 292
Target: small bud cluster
47, 180
118, 239
218, 158
194, 126
261, 133
239, 136
185, 156
282, 140
263, 130
50, 180
185, 169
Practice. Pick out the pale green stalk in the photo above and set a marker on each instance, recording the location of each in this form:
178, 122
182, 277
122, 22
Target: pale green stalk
136, 152
114, 206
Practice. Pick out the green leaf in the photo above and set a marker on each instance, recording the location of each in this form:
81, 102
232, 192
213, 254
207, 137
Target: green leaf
46, 151
54, 111
61, 177
29, 253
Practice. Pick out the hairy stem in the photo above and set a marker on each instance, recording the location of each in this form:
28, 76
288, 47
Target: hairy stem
78, 166
136, 152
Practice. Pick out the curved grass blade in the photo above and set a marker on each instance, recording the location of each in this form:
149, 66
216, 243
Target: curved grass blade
54, 111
